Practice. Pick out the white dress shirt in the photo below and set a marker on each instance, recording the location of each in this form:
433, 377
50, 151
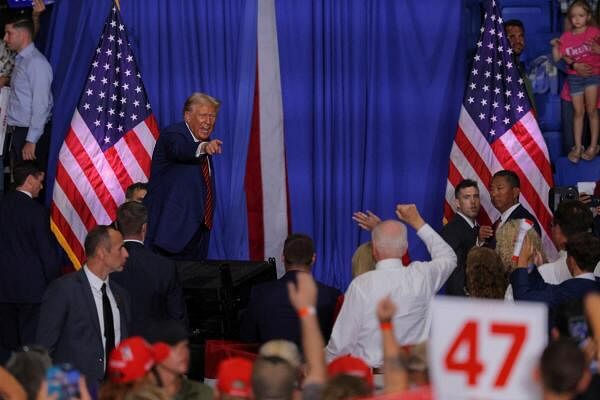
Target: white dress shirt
506, 214
356, 330
556, 272
96, 285
467, 219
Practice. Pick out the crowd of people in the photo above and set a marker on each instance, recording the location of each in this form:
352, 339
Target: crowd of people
118, 328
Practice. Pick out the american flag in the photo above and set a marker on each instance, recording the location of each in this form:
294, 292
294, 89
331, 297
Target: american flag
108, 146
497, 130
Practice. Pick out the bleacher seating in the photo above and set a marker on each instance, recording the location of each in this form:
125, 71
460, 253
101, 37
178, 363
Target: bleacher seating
568, 173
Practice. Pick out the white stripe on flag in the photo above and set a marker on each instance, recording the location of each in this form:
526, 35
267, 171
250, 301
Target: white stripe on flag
272, 147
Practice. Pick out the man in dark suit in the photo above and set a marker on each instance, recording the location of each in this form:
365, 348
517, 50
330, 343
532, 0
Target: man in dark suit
29, 258
461, 232
181, 190
583, 254
83, 315
504, 192
149, 278
270, 314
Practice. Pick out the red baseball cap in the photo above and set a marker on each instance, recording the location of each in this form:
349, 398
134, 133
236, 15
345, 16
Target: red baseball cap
234, 377
133, 358
349, 365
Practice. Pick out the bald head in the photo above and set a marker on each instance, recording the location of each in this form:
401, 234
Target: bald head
389, 240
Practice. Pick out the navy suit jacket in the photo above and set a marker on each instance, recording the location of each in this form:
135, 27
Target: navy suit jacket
518, 213
69, 326
176, 190
461, 237
531, 286
151, 280
270, 314
521, 213
30, 257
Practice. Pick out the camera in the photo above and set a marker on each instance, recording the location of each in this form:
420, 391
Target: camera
559, 194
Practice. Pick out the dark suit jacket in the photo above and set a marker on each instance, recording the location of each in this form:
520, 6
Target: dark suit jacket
176, 190
518, 213
69, 326
521, 213
29, 254
531, 286
270, 314
151, 280
461, 237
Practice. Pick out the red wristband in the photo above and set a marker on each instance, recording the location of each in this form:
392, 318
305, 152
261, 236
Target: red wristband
304, 311
385, 326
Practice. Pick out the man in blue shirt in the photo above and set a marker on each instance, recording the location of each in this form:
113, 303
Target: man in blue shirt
30, 102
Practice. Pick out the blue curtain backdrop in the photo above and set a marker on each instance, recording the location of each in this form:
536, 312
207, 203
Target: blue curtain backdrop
372, 92
371, 96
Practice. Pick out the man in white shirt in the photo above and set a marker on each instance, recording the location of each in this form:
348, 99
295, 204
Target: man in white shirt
356, 330
571, 217
83, 315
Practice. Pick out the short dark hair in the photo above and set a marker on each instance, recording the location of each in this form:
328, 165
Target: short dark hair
19, 22
585, 249
29, 367
514, 22
561, 366
131, 216
98, 236
465, 183
273, 378
23, 169
572, 216
298, 249
131, 189
511, 177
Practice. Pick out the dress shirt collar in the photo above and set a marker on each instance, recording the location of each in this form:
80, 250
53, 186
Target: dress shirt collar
586, 275
93, 279
507, 213
134, 241
26, 192
469, 220
389, 263
27, 51
192, 133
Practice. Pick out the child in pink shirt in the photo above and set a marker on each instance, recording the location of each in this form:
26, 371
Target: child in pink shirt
576, 46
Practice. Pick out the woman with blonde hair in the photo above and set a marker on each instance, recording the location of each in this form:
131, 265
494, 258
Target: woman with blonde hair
362, 259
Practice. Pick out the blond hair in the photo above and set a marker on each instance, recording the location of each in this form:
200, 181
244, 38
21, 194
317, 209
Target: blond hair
506, 236
362, 259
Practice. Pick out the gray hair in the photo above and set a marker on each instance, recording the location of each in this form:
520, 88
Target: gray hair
389, 237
